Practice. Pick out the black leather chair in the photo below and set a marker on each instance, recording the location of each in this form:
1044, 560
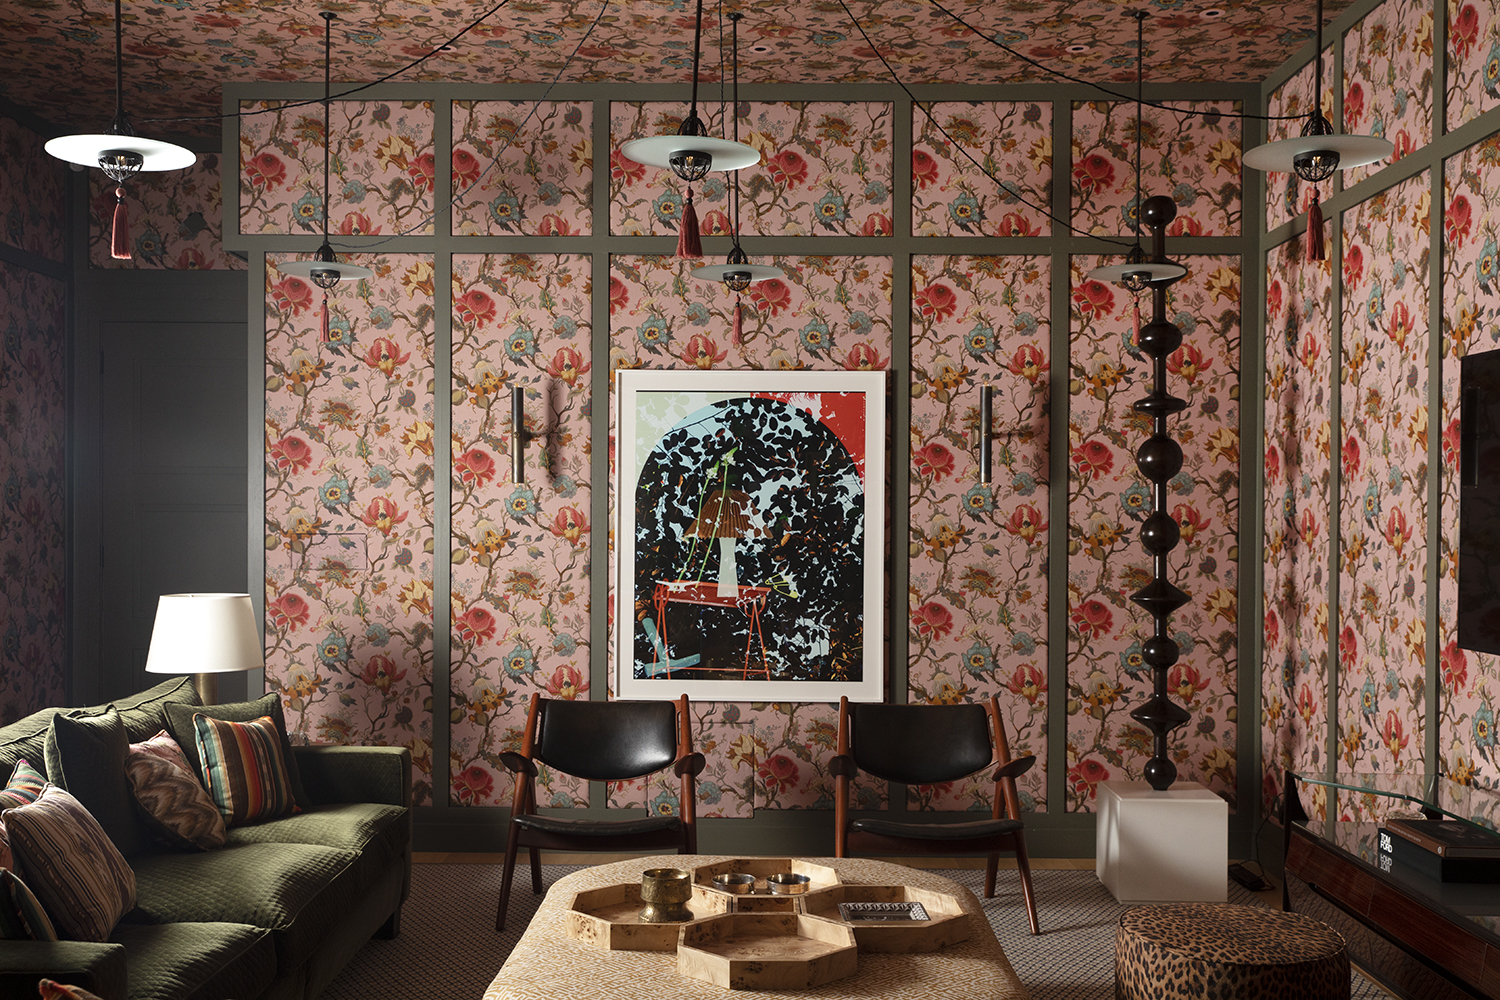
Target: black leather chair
599, 741
925, 745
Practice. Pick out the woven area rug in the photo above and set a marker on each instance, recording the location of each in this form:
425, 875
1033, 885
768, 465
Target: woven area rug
448, 946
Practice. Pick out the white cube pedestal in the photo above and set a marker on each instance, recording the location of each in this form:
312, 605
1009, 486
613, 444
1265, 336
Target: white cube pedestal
1162, 847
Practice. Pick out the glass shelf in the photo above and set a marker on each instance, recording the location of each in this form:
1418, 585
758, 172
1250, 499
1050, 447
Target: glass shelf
1435, 796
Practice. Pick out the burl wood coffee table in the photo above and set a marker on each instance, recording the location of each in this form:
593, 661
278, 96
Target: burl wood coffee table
549, 964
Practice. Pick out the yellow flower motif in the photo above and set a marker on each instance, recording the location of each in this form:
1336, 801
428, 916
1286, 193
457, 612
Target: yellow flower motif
582, 156
1320, 620
1323, 438
416, 596
396, 151
418, 278
1416, 639
418, 437
1416, 429
1224, 283
746, 751
1225, 444
1223, 603
1040, 153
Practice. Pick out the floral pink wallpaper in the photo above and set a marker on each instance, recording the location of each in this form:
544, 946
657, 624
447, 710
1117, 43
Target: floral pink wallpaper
1382, 451
33, 508
825, 170
523, 167
1388, 79
1473, 46
349, 488
826, 313
1288, 196
520, 550
977, 577
1471, 182
176, 219
1107, 498
380, 173
1297, 500
951, 196
32, 203
1193, 158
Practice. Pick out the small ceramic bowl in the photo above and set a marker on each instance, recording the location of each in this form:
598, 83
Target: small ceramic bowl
735, 882
787, 883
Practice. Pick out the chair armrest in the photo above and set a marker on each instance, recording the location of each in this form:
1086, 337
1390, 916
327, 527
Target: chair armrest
98, 968
690, 763
517, 764
1015, 768
333, 774
843, 766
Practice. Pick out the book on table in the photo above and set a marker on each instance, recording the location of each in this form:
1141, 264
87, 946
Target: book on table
1445, 850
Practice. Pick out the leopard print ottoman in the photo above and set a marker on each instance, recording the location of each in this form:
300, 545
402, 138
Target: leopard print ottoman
1219, 951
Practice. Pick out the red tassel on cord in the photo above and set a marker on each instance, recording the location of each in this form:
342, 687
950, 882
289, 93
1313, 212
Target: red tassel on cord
689, 244
119, 237
1316, 248
1137, 338
325, 317
737, 332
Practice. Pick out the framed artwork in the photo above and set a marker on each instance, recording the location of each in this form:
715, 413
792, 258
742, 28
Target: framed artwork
751, 523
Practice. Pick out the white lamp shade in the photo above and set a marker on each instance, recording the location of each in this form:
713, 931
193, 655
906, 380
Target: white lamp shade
305, 269
718, 272
657, 151
1153, 271
204, 634
84, 150
1353, 150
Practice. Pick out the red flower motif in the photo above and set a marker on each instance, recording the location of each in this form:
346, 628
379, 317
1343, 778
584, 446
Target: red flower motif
1397, 530
933, 459
570, 524
1085, 777
1025, 522
423, 172
1273, 466
1093, 619
1393, 736
1351, 457
1274, 296
473, 785
192, 259
1455, 667
1463, 32
877, 225
1189, 521
1354, 106
1307, 705
266, 170
474, 308
1188, 362
1348, 648
292, 294
787, 167
1186, 226
623, 169
567, 364
619, 295
1094, 299
289, 611
475, 467
291, 454
385, 354
1273, 628
466, 169
1354, 265
937, 301
1093, 173
770, 296
714, 223
1028, 682
381, 673
357, 224
924, 169
1093, 459
1457, 220
567, 683
863, 357
383, 514
1184, 682
554, 225
779, 772
932, 619
1028, 362
475, 625
1016, 224
1451, 444
702, 352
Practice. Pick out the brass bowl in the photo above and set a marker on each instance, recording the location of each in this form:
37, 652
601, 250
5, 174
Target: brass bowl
666, 892
735, 882
787, 883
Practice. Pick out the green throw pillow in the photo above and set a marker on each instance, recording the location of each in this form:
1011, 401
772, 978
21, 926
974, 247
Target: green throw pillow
86, 758
180, 725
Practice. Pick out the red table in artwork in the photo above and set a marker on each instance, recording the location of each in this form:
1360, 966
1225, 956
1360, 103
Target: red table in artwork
750, 600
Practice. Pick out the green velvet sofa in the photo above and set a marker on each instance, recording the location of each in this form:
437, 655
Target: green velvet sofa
274, 914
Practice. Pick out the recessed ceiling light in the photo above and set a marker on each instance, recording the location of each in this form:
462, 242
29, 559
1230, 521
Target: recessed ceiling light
1212, 12
760, 48
1076, 48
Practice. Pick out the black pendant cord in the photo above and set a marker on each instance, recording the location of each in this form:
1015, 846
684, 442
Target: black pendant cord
328, 17
1140, 75
734, 111
697, 48
120, 125
1317, 97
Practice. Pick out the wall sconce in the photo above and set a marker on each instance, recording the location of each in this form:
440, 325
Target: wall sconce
519, 435
985, 432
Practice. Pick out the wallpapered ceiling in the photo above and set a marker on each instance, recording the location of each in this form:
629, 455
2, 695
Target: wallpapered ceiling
179, 54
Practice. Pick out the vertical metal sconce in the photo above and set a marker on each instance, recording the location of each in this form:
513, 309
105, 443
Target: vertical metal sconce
519, 435
986, 432
1159, 459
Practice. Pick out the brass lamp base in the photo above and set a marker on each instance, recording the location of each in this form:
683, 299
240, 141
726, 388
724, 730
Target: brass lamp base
207, 686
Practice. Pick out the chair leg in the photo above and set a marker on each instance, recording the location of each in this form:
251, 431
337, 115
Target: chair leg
536, 871
1024, 865
991, 867
512, 843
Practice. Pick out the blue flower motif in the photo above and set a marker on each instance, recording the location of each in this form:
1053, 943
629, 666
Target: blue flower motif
354, 192
564, 644
827, 37
979, 659
654, 333
308, 210
542, 37
1130, 214
815, 336
1185, 322
334, 493
1023, 644
668, 208
519, 662
377, 634
876, 193
1181, 483
1010, 193
1023, 483
1184, 195
1375, 306
148, 244
1492, 71
1371, 503
1369, 698
1394, 482
1132, 660
549, 193
1136, 501
698, 314
861, 323
709, 793
1489, 262
1484, 726
333, 650
1184, 643
980, 340
1026, 324
340, 330
712, 187
522, 502
830, 209
665, 804
979, 500
505, 210
565, 486
560, 800
381, 318
965, 211
565, 327
521, 344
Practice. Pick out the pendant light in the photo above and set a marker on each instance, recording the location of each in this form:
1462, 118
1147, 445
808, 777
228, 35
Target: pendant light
736, 273
1318, 151
691, 153
1137, 272
325, 269
119, 152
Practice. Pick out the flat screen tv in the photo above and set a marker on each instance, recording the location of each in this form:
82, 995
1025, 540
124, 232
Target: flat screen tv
1479, 503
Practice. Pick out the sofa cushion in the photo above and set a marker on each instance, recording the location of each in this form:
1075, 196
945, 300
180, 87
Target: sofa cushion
197, 961
22, 917
141, 713
25, 784
180, 725
86, 757
380, 834
296, 891
69, 862
244, 768
171, 796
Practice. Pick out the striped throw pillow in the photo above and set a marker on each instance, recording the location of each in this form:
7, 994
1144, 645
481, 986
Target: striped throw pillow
244, 769
25, 784
70, 863
173, 798
22, 917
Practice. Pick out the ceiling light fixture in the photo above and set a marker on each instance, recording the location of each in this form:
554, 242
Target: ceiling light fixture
325, 269
691, 153
119, 152
1318, 151
1138, 272
737, 273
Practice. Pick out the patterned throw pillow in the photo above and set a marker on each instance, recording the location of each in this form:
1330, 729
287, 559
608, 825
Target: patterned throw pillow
62, 991
25, 784
244, 769
22, 917
70, 863
173, 798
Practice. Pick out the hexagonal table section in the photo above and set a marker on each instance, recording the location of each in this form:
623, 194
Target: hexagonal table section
609, 919
766, 951
877, 931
